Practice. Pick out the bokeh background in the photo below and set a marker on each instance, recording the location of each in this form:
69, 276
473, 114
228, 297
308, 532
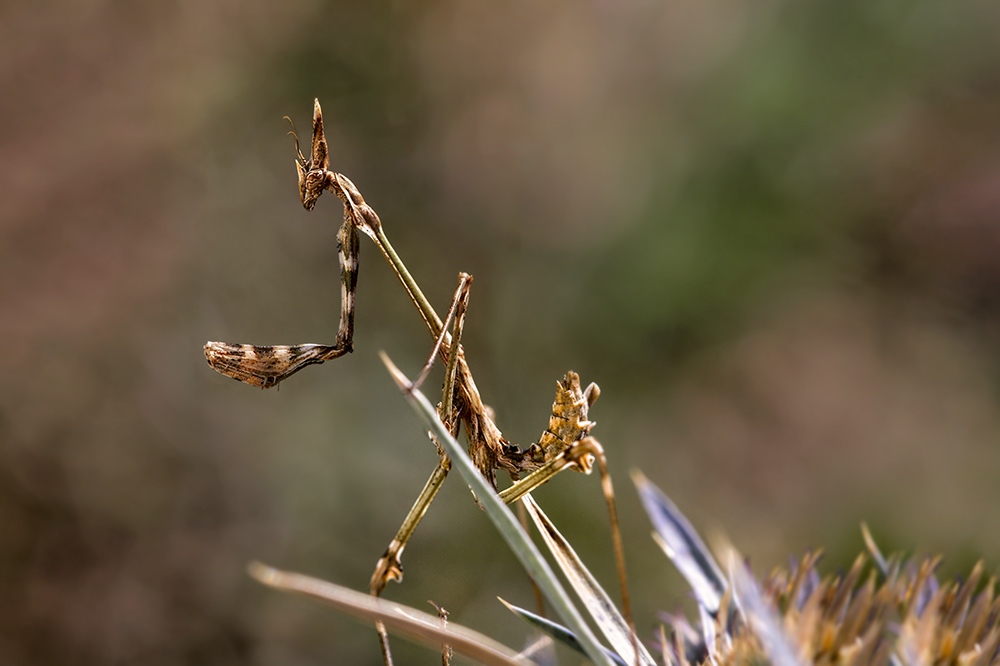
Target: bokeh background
771, 232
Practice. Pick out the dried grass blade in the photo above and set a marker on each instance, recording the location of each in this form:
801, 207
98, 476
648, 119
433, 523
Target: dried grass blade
406, 621
594, 598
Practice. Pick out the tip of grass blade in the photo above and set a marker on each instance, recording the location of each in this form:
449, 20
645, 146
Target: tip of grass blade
263, 574
397, 375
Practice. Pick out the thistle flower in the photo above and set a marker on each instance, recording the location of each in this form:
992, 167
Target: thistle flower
894, 612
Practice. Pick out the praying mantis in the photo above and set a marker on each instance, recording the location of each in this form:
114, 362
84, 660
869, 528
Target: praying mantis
565, 444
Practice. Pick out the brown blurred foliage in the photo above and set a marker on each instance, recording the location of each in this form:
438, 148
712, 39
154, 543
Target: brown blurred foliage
769, 232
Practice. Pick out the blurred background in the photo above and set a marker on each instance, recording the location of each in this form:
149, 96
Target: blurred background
770, 233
